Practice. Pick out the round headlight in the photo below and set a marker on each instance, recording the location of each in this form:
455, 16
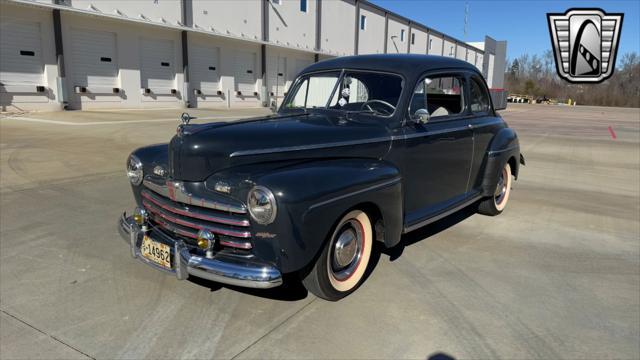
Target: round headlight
134, 170
262, 205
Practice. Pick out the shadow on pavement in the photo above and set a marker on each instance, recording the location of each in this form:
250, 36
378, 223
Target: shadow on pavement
429, 230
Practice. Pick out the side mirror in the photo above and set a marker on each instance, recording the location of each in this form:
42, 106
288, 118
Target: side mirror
421, 116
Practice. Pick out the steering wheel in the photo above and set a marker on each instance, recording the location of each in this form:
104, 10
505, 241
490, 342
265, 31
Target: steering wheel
374, 101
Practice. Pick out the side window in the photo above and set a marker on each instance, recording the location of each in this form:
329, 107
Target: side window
439, 95
479, 99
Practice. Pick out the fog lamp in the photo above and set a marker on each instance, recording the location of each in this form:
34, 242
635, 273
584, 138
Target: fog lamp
206, 239
140, 216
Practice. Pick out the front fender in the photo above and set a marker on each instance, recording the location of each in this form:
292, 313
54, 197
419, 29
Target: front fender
504, 147
312, 196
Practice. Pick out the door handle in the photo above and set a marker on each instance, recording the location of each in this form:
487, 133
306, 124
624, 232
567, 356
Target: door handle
470, 126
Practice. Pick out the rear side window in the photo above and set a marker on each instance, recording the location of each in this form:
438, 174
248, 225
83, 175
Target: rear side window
441, 96
479, 98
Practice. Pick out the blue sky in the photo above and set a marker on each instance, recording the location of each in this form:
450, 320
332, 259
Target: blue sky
522, 23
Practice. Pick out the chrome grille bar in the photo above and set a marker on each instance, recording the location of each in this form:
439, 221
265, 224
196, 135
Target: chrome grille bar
176, 191
193, 223
190, 212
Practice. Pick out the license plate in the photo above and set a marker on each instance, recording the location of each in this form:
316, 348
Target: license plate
157, 252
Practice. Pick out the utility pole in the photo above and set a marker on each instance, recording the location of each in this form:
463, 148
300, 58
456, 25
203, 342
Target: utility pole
466, 19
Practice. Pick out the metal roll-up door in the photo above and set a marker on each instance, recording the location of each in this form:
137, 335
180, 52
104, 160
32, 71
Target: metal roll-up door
157, 66
95, 60
205, 69
245, 72
21, 61
277, 75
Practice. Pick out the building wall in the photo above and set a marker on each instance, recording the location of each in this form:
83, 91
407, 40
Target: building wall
434, 44
246, 21
471, 57
10, 100
371, 40
461, 52
480, 61
290, 26
128, 53
165, 11
420, 45
449, 48
338, 40
396, 27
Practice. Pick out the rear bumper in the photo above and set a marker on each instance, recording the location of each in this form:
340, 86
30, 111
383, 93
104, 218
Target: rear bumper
220, 268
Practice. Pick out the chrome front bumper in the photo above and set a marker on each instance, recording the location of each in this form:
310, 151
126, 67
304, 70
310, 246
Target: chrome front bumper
220, 268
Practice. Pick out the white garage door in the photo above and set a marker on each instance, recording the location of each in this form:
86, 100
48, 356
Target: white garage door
205, 73
245, 72
95, 61
277, 75
20, 52
157, 64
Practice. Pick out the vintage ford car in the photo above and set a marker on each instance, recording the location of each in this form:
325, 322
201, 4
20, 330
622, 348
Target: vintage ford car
362, 149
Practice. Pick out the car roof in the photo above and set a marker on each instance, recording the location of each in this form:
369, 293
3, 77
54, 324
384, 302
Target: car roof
409, 65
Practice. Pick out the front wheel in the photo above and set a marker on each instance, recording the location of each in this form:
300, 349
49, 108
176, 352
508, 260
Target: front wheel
495, 204
344, 260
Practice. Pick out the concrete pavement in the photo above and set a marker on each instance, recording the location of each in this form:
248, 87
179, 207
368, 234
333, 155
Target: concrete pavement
556, 276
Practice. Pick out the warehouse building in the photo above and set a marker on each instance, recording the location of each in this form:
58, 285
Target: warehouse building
95, 54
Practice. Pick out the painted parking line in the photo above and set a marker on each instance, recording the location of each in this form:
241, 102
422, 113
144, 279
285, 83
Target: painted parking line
69, 123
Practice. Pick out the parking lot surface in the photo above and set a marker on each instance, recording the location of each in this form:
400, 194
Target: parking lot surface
556, 276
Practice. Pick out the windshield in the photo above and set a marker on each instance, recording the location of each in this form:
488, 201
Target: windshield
360, 91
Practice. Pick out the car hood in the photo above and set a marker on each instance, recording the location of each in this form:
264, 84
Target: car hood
201, 150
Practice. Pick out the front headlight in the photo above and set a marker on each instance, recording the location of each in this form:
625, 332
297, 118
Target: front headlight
262, 205
134, 170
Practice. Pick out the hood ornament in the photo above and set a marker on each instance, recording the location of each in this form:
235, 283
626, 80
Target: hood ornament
185, 118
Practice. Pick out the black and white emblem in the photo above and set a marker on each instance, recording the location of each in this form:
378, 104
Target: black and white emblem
585, 42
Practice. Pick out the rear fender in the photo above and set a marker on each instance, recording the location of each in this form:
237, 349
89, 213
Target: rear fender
504, 146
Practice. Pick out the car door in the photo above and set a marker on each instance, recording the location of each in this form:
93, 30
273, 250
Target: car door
437, 150
485, 125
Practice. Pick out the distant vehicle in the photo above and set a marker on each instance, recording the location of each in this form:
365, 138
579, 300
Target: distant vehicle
363, 149
542, 99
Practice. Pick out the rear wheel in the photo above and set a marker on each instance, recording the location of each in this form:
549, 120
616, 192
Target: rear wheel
495, 204
344, 260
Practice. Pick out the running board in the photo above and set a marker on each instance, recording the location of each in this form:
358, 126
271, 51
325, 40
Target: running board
432, 219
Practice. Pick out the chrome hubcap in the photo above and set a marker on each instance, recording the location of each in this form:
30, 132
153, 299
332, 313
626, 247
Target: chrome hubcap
347, 250
501, 189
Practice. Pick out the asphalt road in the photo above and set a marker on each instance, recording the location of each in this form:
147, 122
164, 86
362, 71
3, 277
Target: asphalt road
556, 276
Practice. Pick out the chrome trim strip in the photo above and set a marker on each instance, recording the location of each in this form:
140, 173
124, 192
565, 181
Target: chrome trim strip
446, 213
220, 268
179, 194
431, 133
191, 212
494, 122
503, 150
372, 187
356, 142
308, 147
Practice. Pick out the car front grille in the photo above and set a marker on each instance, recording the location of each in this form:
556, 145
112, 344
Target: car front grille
186, 220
